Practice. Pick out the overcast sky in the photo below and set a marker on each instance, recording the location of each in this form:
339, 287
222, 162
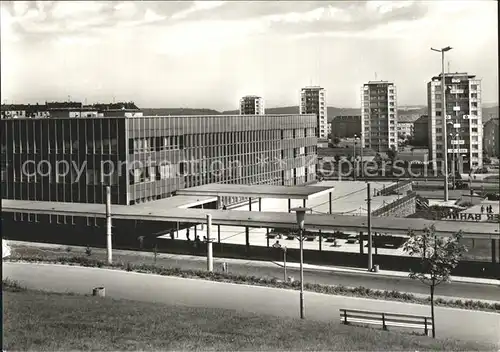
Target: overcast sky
210, 53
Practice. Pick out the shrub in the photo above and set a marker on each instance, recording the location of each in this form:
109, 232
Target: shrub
12, 285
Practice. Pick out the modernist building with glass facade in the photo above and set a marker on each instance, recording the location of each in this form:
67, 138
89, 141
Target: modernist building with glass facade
149, 158
463, 119
379, 116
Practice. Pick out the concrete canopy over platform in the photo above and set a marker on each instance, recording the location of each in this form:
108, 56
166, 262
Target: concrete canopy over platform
148, 211
256, 191
182, 202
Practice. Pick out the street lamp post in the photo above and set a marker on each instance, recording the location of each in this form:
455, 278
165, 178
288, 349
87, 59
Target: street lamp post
301, 214
443, 115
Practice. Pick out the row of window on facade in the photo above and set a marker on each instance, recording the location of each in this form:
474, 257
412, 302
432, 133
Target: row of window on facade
376, 110
473, 129
55, 219
56, 146
378, 104
450, 105
272, 178
63, 176
452, 96
208, 139
377, 97
155, 173
138, 145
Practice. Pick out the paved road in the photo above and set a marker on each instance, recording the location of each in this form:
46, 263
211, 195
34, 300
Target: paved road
355, 278
350, 279
450, 323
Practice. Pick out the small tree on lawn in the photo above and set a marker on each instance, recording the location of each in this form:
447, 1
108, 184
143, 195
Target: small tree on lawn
439, 255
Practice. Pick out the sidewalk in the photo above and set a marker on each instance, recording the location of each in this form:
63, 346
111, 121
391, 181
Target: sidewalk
259, 263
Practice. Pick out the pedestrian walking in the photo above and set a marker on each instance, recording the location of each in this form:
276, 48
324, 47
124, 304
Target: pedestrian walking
482, 209
187, 235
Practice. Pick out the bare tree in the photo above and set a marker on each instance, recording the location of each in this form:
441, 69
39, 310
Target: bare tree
440, 255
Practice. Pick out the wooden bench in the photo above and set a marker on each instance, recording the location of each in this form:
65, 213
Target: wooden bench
348, 316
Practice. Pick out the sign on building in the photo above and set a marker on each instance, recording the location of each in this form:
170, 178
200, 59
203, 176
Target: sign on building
473, 217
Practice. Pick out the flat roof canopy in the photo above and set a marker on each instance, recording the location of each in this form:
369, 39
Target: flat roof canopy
183, 202
256, 191
151, 212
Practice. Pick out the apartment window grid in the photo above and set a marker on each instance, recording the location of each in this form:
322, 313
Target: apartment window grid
378, 104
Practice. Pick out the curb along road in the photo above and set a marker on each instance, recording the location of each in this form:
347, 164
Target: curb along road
348, 277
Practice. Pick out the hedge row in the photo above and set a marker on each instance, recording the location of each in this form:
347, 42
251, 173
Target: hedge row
261, 281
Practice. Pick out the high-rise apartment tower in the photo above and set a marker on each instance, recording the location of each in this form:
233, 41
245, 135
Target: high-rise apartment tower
313, 101
464, 120
379, 116
252, 105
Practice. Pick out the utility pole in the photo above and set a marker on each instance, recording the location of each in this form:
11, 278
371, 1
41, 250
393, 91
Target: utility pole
362, 140
108, 225
369, 209
210, 259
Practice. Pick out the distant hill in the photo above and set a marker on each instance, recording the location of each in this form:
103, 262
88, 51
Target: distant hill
490, 105
488, 111
331, 111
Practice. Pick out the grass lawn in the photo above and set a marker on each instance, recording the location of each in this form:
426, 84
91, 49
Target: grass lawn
42, 321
